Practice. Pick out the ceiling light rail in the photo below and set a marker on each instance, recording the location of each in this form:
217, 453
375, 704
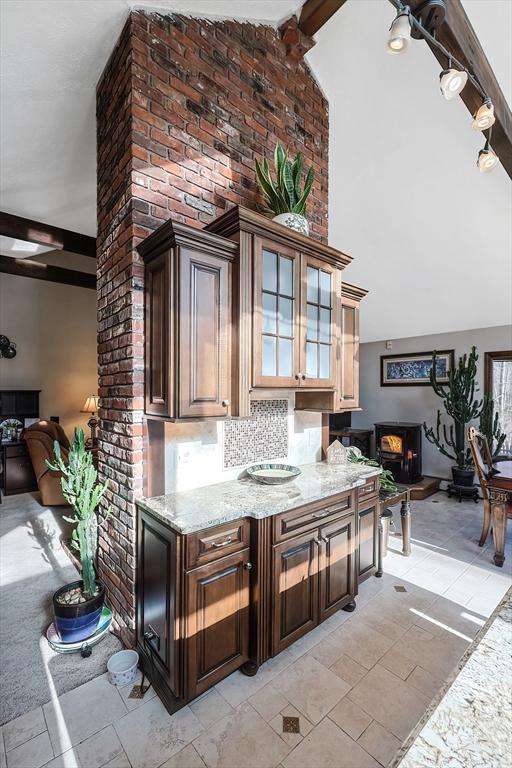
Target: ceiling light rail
405, 26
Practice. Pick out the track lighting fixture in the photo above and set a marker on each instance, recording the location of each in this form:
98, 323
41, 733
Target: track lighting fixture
487, 159
484, 116
452, 81
399, 33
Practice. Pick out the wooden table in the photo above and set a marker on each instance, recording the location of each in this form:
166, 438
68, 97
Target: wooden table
403, 495
500, 495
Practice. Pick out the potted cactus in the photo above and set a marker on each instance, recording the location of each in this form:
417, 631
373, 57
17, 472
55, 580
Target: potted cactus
286, 197
77, 606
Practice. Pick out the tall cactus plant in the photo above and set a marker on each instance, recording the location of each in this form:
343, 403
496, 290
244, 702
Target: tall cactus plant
83, 493
490, 426
460, 405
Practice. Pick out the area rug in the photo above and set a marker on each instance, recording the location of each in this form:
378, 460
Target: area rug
33, 565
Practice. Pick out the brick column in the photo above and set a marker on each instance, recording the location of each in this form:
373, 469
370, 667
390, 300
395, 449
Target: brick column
184, 106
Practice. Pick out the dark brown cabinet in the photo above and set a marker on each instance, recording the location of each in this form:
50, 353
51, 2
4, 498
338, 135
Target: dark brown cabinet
368, 538
337, 565
217, 620
188, 315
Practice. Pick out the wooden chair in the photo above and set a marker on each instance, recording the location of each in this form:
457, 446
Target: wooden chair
482, 460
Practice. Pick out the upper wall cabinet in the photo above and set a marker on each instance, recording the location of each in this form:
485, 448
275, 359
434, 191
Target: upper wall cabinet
287, 316
188, 316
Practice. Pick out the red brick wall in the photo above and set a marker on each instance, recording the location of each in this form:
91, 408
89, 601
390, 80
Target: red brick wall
184, 107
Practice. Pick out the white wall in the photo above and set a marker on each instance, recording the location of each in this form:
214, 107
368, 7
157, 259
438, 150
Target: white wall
54, 328
420, 403
194, 451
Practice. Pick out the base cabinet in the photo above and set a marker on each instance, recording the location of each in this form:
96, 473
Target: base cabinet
368, 514
217, 621
337, 560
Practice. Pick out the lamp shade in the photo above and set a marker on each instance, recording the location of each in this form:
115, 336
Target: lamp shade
90, 405
399, 34
452, 81
484, 117
487, 159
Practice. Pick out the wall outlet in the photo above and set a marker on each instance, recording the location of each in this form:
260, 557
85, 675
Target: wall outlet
389, 345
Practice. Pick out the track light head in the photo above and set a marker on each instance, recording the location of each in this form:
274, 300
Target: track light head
399, 33
484, 117
452, 81
487, 159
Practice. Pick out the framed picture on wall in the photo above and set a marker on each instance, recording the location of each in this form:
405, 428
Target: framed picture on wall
413, 370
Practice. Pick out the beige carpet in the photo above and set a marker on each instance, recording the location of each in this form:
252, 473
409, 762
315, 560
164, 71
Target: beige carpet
32, 566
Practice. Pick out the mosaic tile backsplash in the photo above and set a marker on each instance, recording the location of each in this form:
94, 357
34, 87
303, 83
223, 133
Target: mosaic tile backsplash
262, 437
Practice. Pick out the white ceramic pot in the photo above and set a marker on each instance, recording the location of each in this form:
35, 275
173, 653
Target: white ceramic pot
293, 221
122, 667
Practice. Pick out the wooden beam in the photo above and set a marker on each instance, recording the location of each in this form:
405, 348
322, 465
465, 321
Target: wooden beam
458, 36
26, 268
315, 13
44, 234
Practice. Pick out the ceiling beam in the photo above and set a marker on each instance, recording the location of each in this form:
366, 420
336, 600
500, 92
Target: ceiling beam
26, 268
315, 13
44, 234
458, 36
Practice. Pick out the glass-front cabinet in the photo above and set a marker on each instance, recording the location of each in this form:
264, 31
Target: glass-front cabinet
294, 329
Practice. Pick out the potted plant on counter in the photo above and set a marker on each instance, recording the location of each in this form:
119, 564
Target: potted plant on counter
461, 406
286, 197
77, 606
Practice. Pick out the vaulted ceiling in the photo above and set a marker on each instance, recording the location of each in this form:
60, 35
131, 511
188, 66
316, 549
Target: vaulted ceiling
430, 236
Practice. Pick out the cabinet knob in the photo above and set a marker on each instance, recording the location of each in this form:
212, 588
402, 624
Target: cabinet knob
248, 566
303, 376
225, 403
297, 376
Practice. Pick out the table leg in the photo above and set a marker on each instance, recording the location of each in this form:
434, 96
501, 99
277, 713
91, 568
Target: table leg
405, 514
499, 529
379, 571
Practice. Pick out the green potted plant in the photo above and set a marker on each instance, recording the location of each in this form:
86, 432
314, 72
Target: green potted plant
388, 485
489, 426
461, 406
286, 197
77, 606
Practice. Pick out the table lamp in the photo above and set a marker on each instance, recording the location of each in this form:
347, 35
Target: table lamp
91, 406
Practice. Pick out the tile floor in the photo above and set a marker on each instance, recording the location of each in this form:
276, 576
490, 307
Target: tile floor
357, 685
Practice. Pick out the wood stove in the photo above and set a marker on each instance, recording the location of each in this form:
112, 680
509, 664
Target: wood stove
398, 448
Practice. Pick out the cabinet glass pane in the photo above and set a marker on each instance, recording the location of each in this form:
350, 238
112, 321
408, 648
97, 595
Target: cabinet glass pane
312, 323
325, 288
312, 284
285, 357
269, 313
312, 360
285, 317
285, 276
325, 325
325, 361
270, 271
269, 358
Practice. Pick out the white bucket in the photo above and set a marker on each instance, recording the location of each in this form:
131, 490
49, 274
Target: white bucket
122, 667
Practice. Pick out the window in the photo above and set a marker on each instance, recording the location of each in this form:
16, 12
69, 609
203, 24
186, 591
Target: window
277, 302
318, 325
498, 383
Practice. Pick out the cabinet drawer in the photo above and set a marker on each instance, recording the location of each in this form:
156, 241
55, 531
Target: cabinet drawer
369, 489
204, 546
287, 524
12, 451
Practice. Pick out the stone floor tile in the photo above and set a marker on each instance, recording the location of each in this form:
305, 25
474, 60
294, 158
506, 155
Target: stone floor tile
361, 643
210, 707
238, 687
304, 644
31, 754
348, 670
396, 705
98, 749
150, 736
3, 759
351, 718
379, 622
292, 739
334, 746
23, 728
68, 759
437, 655
397, 664
380, 743
268, 702
241, 739
425, 682
81, 712
311, 688
125, 691
187, 758
325, 652
120, 761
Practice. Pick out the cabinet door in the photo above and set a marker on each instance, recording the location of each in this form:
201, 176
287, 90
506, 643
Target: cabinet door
337, 565
318, 340
349, 386
217, 623
158, 382
276, 321
368, 538
157, 589
204, 335
295, 589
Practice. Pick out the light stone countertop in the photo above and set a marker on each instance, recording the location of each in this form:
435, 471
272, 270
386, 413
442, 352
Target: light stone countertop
194, 510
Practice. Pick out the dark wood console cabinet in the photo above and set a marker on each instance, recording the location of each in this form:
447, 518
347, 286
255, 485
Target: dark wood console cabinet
17, 475
234, 595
